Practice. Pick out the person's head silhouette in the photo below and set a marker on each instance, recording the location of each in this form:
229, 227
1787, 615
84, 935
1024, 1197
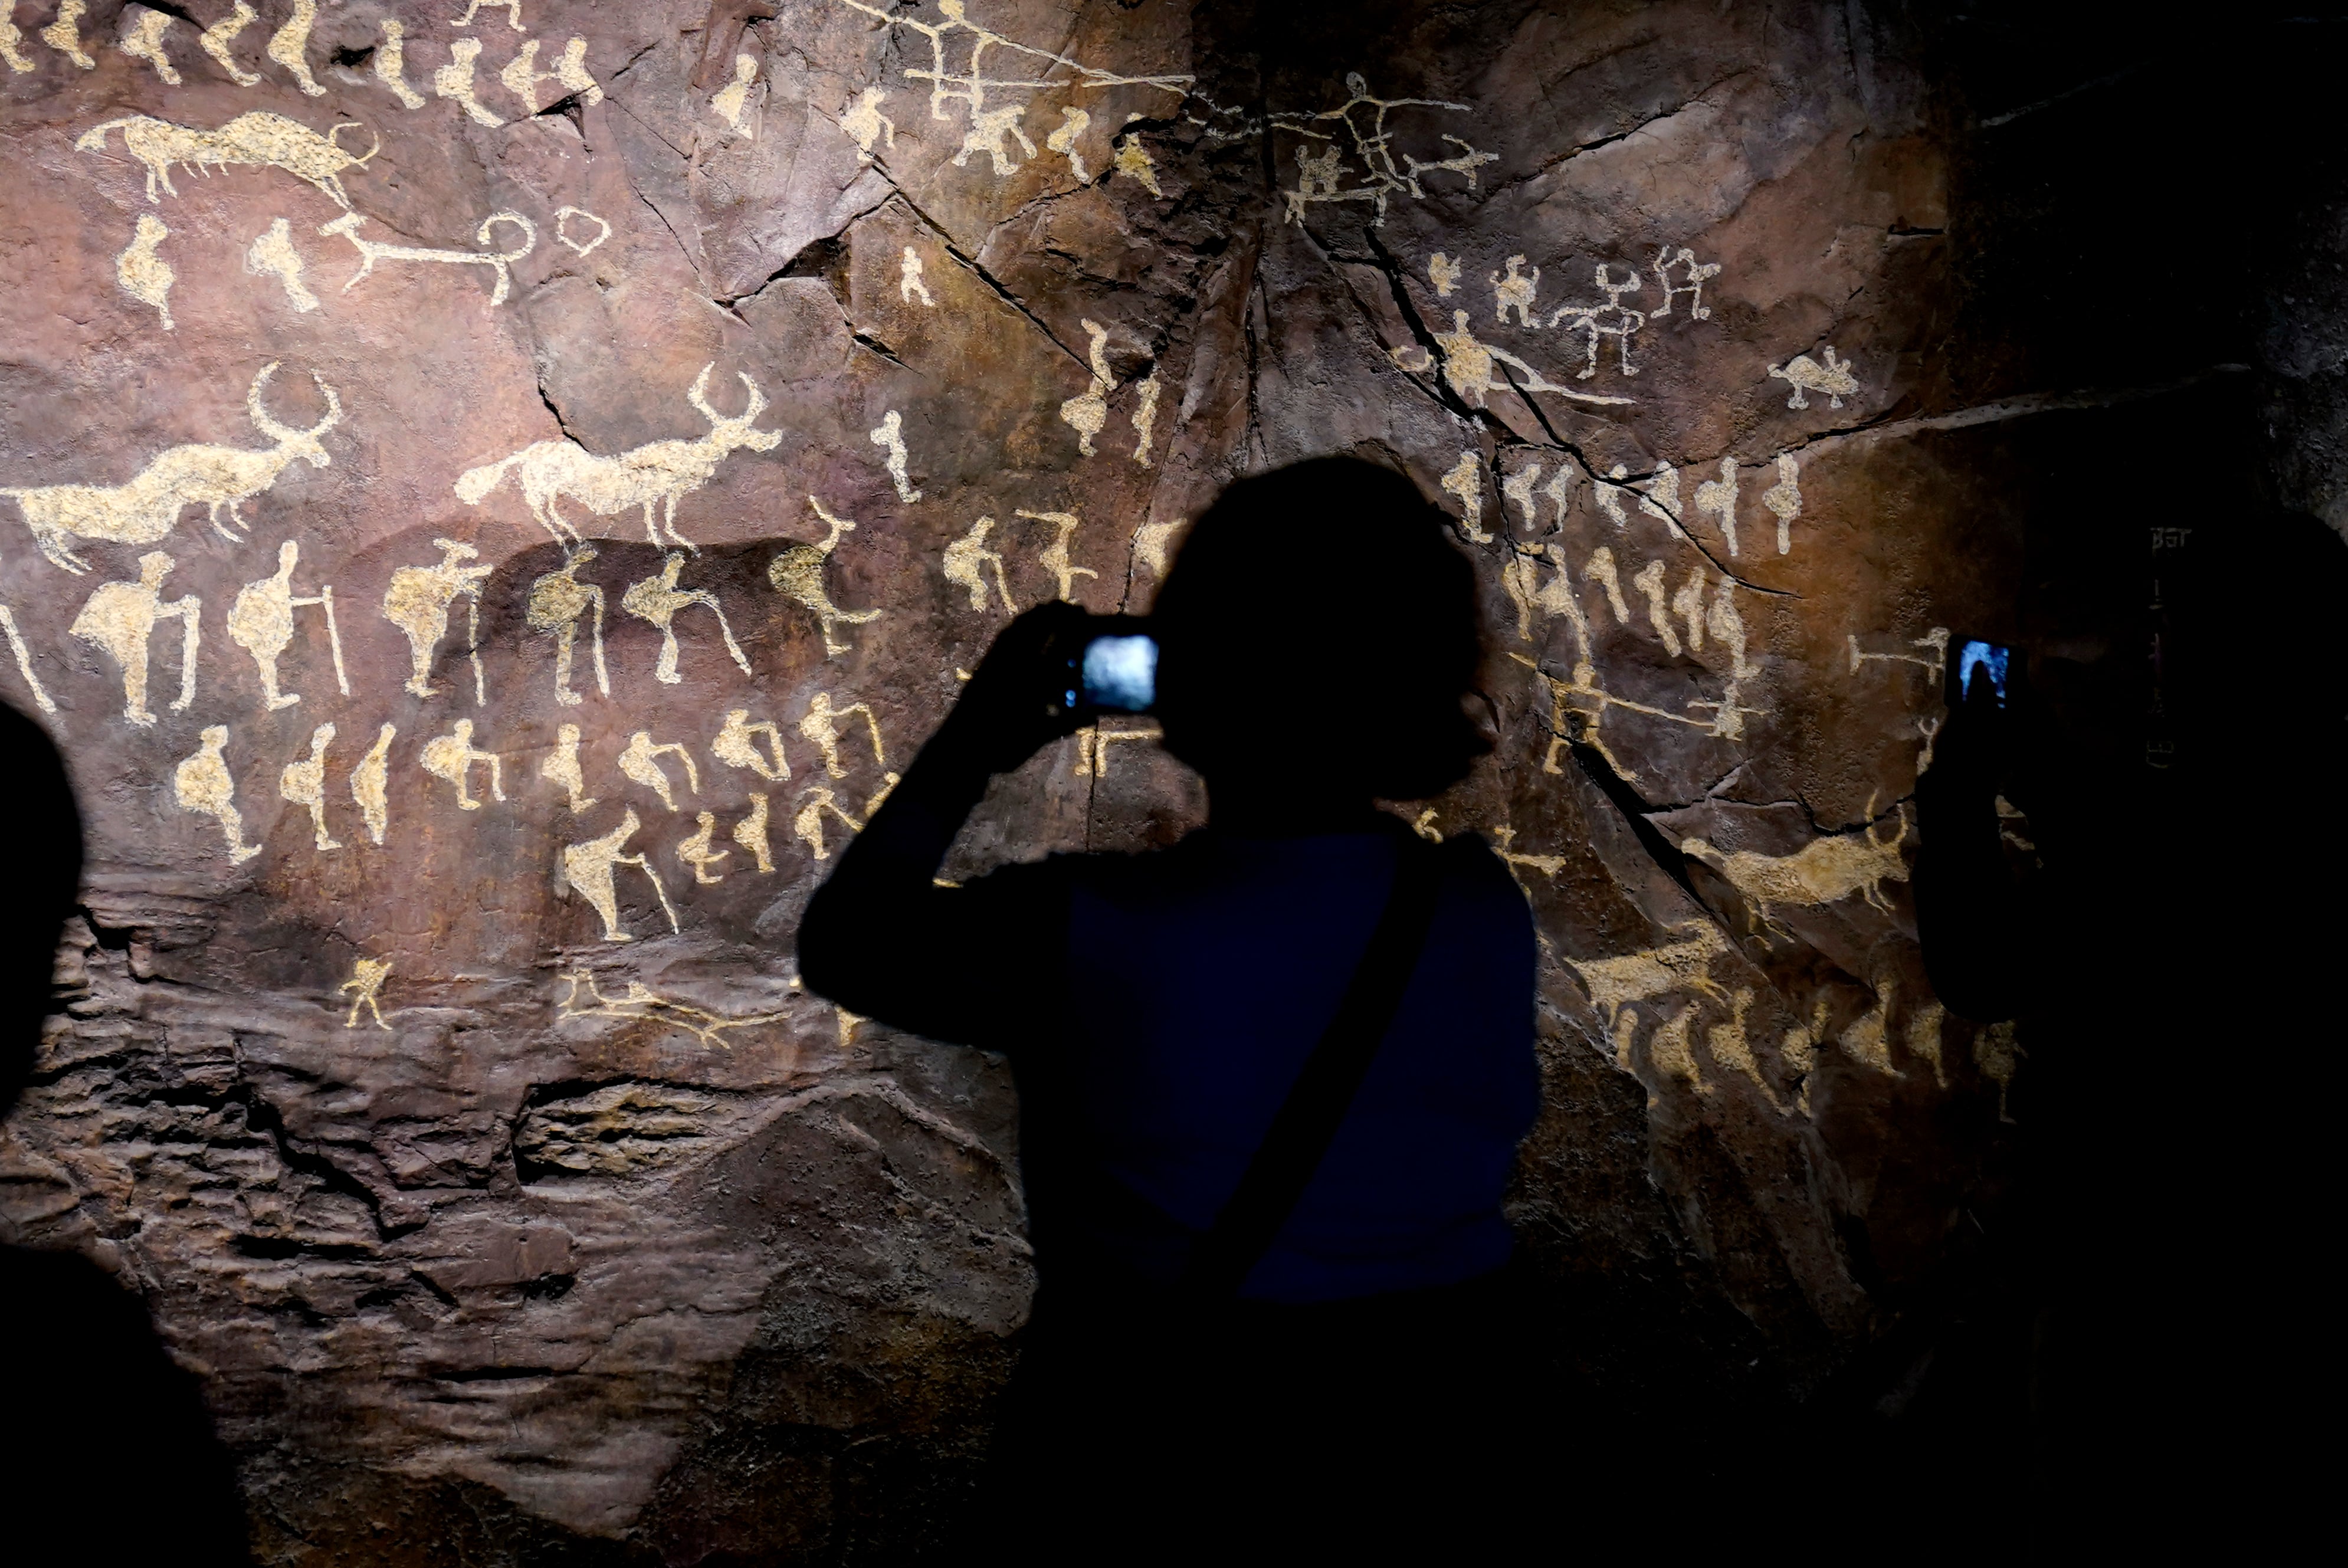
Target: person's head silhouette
1320, 641
50, 883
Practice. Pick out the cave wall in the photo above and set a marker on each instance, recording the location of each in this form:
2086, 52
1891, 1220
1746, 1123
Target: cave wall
428, 1054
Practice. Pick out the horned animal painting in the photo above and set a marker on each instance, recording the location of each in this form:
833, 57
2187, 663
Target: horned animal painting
1821, 872
652, 476
417, 602
147, 508
260, 138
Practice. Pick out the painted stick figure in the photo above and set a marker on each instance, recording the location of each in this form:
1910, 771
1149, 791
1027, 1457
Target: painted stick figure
1613, 319
822, 726
260, 622
967, 560
561, 767
750, 832
641, 762
696, 851
737, 745
1053, 557
556, 602
120, 617
590, 870
452, 756
367, 977
1514, 292
202, 783
305, 784
658, 599
419, 600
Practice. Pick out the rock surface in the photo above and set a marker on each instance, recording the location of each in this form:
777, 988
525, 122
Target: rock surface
504, 1190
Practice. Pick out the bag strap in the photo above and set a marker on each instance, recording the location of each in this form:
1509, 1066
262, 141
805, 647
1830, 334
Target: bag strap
1308, 1120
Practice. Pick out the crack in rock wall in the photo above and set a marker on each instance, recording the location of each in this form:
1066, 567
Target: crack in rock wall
492, 504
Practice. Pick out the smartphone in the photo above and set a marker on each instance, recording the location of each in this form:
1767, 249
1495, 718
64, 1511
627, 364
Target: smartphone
1118, 673
1998, 662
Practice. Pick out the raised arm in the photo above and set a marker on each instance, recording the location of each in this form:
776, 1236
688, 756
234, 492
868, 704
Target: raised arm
880, 937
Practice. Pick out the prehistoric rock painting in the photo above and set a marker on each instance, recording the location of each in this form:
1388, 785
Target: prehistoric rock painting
1933, 661
1134, 162
732, 103
590, 870
365, 985
736, 745
699, 854
556, 602
988, 127
272, 254
1806, 376
1465, 483
890, 437
1784, 499
1362, 118
1600, 322
563, 216
1087, 412
561, 767
417, 602
641, 762
144, 41
202, 784
1145, 417
290, 45
304, 784
145, 510
64, 34
522, 75
371, 782
967, 561
1693, 274
1469, 368
797, 575
1093, 745
119, 619
1053, 557
454, 81
371, 252
24, 660
750, 832
260, 622
581, 999
452, 756
657, 599
260, 138
655, 476
822, 727
909, 285
144, 275
217, 37
1822, 872
390, 61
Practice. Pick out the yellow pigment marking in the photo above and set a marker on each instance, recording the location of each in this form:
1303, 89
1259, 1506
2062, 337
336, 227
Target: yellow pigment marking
24, 660
390, 60
556, 602
454, 81
451, 756
419, 600
522, 75
120, 617
696, 851
304, 784
367, 977
657, 599
590, 870
1087, 412
889, 435
909, 278
273, 255
260, 622
1694, 272
823, 723
220, 34
201, 784
561, 767
750, 832
370, 783
967, 560
1134, 162
1053, 557
1145, 418
290, 44
1806, 375
371, 251
258, 139
582, 1000
1822, 872
145, 42
1319, 178
641, 762
736, 745
64, 36
1073, 123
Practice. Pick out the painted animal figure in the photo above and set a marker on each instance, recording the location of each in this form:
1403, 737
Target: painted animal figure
1616, 983
1821, 872
147, 507
652, 476
260, 137
1806, 374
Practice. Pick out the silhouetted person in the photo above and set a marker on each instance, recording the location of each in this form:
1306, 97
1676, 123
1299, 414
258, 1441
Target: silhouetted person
1347, 1390
2171, 964
106, 1455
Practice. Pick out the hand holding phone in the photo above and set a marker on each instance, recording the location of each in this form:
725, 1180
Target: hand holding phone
1109, 664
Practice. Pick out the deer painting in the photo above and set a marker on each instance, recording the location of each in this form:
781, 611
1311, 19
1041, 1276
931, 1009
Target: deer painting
654, 476
258, 137
145, 510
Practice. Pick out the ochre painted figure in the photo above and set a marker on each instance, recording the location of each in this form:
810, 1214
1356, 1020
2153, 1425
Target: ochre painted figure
119, 619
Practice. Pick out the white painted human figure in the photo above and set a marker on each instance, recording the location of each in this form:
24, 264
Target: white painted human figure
1612, 319
24, 660
12, 43
64, 33
260, 622
512, 8
1783, 498
367, 977
202, 784
1063, 141
641, 762
1470, 367
454, 81
1133, 161
1053, 557
1320, 176
909, 278
419, 600
144, 41
304, 784
556, 602
1444, 274
889, 436
657, 599
1660, 497
390, 58
1145, 417
522, 76
1600, 568
1465, 483
590, 869
272, 254
1650, 582
143, 273
290, 45
1609, 493
750, 832
1087, 412
1934, 660
1717, 499
822, 724
1694, 272
451, 756
371, 784
1516, 489
217, 37
1514, 292
561, 767
732, 103
866, 124
736, 745
119, 619
697, 852
967, 561
985, 135
797, 575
